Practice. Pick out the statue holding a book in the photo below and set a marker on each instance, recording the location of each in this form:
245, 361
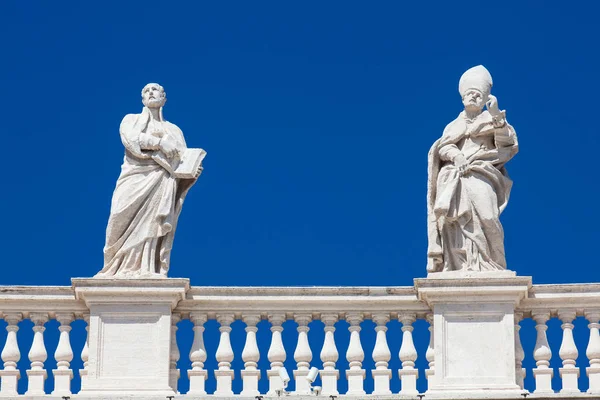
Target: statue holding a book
157, 172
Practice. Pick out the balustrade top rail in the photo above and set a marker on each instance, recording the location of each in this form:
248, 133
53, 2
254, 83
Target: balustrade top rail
51, 299
302, 299
551, 297
322, 298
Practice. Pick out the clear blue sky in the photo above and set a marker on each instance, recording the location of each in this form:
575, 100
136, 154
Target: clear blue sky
317, 118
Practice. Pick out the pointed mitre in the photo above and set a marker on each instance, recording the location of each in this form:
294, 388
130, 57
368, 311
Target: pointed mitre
476, 78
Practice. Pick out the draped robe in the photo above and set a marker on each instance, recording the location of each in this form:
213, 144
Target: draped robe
464, 229
145, 206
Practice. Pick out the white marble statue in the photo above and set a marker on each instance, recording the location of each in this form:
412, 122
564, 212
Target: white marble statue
157, 172
468, 186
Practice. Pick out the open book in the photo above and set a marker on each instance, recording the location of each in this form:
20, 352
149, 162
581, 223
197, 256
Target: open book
188, 167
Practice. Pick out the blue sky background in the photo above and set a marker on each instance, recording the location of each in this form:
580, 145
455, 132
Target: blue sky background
317, 118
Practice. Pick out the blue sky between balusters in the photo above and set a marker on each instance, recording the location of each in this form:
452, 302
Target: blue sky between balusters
317, 118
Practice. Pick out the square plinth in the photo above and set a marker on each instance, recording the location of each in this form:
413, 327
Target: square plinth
129, 333
474, 330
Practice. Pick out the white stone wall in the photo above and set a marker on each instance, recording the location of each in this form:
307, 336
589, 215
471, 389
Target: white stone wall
475, 341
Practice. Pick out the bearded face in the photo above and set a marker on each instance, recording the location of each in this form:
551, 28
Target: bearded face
473, 100
153, 95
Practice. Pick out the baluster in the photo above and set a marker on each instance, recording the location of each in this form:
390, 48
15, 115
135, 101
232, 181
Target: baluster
37, 355
593, 351
10, 355
276, 353
520, 372
224, 356
251, 355
329, 356
408, 355
174, 353
542, 355
85, 352
302, 354
381, 355
197, 374
568, 354
430, 354
63, 356
355, 356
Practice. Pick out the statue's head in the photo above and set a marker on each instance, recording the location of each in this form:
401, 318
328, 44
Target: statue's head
474, 87
153, 95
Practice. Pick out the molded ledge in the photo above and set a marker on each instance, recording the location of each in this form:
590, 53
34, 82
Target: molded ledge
130, 291
483, 287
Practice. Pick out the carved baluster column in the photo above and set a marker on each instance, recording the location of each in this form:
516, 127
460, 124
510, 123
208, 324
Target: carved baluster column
381, 355
63, 356
430, 354
37, 355
174, 353
593, 351
224, 357
197, 375
519, 353
568, 353
250, 355
85, 352
542, 355
10, 355
276, 353
355, 356
302, 354
329, 356
408, 355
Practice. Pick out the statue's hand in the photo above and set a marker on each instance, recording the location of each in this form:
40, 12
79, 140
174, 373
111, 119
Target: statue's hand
492, 105
149, 142
461, 163
198, 172
158, 133
169, 147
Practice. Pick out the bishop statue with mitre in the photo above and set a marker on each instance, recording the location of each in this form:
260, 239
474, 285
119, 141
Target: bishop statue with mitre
468, 185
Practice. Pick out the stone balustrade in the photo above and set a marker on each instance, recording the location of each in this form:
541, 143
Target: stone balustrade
39, 304
386, 350
565, 303
303, 306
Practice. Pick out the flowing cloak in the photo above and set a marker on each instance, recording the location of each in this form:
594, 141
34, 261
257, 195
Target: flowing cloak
145, 206
464, 211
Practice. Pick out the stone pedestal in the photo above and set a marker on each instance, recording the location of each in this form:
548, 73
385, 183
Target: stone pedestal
381, 381
474, 334
250, 378
9, 379
409, 377
62, 382
329, 382
356, 378
129, 334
